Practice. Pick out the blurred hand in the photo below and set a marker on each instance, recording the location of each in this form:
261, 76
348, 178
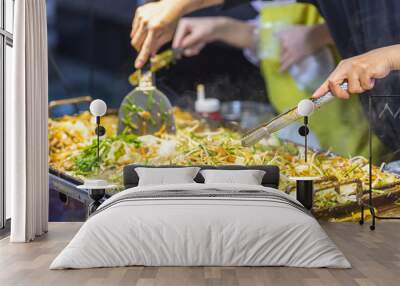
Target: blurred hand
193, 34
154, 24
361, 71
297, 42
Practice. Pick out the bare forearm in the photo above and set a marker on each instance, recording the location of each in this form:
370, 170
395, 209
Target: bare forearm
393, 55
193, 5
322, 32
321, 35
236, 33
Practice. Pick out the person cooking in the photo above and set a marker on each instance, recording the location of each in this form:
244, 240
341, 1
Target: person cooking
357, 27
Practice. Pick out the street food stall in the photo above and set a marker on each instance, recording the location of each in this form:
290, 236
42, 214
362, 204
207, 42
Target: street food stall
199, 141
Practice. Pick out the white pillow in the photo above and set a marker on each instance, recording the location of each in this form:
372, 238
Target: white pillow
248, 177
166, 176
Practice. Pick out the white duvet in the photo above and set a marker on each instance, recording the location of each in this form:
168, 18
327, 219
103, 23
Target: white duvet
188, 231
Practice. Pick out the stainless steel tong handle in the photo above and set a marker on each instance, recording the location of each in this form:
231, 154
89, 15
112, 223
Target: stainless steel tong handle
262, 131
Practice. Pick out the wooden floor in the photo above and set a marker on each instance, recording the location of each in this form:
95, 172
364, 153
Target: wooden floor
375, 257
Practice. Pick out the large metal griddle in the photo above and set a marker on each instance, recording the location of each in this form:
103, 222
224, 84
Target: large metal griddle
66, 185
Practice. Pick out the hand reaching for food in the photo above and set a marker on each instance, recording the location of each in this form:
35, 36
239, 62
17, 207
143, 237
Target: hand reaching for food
154, 24
193, 34
297, 42
361, 71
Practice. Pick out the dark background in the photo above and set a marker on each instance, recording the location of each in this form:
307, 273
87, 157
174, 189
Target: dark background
94, 35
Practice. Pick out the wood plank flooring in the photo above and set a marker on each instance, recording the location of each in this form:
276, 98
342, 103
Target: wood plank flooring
375, 257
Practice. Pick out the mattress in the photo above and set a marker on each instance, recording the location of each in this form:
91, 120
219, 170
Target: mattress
201, 225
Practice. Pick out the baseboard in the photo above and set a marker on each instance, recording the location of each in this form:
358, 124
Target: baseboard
5, 231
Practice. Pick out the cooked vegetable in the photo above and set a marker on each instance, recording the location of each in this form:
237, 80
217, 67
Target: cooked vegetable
111, 149
72, 150
159, 61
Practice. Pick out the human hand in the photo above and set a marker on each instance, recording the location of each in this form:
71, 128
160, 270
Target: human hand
193, 34
297, 42
154, 24
361, 71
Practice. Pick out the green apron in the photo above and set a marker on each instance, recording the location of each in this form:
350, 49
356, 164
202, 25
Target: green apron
340, 125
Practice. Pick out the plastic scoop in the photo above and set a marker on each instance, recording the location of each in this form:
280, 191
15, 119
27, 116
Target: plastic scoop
146, 110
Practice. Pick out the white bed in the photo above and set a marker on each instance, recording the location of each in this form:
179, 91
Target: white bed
203, 225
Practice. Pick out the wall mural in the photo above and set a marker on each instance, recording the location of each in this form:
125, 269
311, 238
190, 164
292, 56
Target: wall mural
169, 127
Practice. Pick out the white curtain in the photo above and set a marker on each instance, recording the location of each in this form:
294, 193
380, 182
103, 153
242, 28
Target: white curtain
26, 124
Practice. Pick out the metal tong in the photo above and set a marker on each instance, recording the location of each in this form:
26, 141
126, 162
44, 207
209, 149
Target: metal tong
283, 120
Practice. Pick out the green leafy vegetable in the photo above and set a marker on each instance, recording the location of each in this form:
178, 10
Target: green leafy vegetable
86, 162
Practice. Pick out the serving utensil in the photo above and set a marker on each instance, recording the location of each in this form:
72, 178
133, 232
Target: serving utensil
146, 110
283, 120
